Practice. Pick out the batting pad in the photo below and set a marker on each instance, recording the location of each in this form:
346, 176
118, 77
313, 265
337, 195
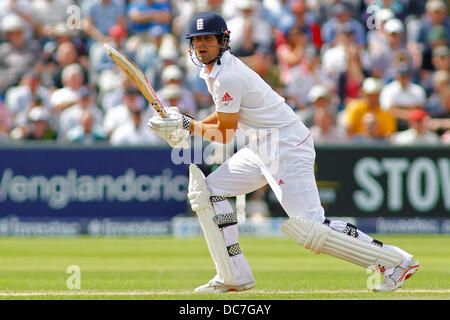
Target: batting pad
320, 238
213, 236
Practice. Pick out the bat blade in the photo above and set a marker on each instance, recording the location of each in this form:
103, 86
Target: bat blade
137, 76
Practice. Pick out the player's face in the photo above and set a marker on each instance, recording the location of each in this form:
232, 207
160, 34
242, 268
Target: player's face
206, 47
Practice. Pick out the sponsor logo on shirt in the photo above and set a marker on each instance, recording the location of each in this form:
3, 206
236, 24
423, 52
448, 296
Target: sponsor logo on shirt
227, 98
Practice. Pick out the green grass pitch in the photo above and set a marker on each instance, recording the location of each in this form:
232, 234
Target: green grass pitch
166, 268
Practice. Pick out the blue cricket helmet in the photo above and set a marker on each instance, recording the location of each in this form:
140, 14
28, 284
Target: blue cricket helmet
205, 23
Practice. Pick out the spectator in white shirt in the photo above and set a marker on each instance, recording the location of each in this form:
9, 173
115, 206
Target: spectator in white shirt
249, 32
134, 131
70, 117
402, 96
120, 114
69, 94
418, 132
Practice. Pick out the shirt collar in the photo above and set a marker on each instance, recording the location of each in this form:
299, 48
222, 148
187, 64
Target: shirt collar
216, 69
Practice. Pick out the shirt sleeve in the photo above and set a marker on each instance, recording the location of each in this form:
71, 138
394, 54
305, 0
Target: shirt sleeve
228, 93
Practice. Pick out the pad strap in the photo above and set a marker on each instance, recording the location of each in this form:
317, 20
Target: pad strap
234, 250
225, 220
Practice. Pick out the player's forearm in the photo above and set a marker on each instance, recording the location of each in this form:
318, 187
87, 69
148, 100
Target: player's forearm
212, 131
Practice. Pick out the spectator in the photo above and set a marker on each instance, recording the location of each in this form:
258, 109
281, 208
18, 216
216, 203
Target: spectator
249, 32
382, 56
346, 63
445, 138
145, 15
379, 125
118, 115
438, 105
370, 131
99, 16
325, 130
6, 121
418, 132
134, 131
49, 13
66, 54
342, 14
436, 15
69, 94
279, 14
102, 67
37, 127
17, 55
263, 63
18, 98
304, 77
376, 38
304, 18
88, 131
319, 97
441, 62
290, 53
402, 96
172, 75
71, 116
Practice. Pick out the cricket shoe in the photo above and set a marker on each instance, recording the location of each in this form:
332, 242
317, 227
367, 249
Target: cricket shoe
214, 286
395, 280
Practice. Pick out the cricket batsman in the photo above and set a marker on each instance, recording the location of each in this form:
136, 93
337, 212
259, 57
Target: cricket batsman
243, 100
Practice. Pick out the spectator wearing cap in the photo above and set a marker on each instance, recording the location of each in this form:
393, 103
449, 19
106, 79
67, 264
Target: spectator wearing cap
319, 97
325, 131
342, 14
401, 96
376, 37
71, 116
436, 16
99, 16
172, 75
248, 31
18, 98
17, 55
99, 60
37, 128
417, 134
382, 57
305, 76
145, 15
88, 131
118, 115
358, 127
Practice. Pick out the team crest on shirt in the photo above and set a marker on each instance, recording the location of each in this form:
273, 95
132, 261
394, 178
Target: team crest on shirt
200, 24
227, 97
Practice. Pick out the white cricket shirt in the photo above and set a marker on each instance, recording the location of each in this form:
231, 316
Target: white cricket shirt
237, 88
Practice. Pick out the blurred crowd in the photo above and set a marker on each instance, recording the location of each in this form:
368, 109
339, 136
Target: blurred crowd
355, 71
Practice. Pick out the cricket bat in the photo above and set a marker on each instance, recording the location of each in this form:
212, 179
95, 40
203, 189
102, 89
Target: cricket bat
137, 76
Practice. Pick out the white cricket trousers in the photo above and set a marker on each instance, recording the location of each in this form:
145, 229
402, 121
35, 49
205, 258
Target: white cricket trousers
284, 159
